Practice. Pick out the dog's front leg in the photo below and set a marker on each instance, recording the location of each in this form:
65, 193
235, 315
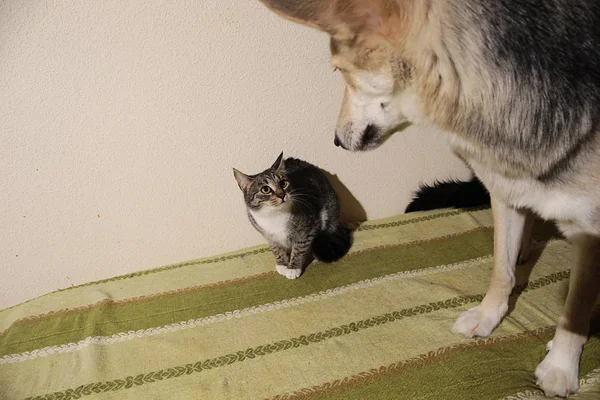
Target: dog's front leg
509, 224
558, 374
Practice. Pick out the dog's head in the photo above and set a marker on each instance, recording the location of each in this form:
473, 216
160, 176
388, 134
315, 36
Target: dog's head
362, 32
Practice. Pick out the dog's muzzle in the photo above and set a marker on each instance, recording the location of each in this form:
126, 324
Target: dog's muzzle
371, 132
337, 142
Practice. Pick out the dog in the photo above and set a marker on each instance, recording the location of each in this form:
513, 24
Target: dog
516, 85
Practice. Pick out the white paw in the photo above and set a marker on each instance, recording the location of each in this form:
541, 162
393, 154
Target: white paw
478, 321
557, 379
290, 273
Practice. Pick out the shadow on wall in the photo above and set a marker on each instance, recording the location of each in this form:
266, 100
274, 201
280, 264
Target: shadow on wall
351, 211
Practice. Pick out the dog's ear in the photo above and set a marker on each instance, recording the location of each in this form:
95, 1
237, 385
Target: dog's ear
343, 19
314, 13
242, 179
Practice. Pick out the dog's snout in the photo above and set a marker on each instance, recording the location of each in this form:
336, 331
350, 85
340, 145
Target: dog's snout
370, 133
338, 142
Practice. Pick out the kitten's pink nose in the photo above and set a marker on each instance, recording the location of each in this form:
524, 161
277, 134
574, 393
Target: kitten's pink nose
280, 195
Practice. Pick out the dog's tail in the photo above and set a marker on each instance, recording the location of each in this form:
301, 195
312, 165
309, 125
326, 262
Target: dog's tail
449, 194
330, 246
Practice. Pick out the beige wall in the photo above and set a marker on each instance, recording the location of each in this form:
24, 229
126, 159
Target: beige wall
121, 120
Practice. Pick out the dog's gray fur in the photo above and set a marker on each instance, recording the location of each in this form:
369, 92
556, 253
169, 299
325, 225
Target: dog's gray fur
547, 53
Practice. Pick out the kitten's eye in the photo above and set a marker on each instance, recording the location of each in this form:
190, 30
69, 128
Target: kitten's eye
284, 183
265, 190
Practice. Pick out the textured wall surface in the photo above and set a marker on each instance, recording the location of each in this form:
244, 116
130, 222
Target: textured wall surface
121, 121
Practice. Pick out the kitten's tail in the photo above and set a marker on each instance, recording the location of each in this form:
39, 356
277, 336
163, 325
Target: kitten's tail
330, 246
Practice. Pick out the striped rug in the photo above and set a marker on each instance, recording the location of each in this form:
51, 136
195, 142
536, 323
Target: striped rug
375, 325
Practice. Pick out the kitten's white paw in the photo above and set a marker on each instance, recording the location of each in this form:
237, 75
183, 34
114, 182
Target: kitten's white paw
290, 273
557, 378
479, 321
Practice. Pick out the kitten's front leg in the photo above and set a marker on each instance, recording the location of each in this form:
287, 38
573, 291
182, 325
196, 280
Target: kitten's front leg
283, 260
282, 257
300, 257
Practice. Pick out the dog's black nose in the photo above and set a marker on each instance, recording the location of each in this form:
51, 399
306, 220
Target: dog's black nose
336, 141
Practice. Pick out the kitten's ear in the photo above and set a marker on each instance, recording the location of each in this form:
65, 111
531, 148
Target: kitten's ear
277, 164
242, 179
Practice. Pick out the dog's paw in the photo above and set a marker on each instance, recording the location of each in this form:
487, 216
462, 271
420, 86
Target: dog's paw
478, 321
290, 273
555, 378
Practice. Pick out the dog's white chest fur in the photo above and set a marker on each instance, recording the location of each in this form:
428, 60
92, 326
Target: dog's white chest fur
274, 223
551, 203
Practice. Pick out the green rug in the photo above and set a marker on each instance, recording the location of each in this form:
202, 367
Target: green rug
375, 325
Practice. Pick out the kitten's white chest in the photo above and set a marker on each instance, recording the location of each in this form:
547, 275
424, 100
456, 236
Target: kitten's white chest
274, 224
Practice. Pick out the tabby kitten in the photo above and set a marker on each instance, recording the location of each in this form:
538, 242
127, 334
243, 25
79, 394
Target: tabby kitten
293, 205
